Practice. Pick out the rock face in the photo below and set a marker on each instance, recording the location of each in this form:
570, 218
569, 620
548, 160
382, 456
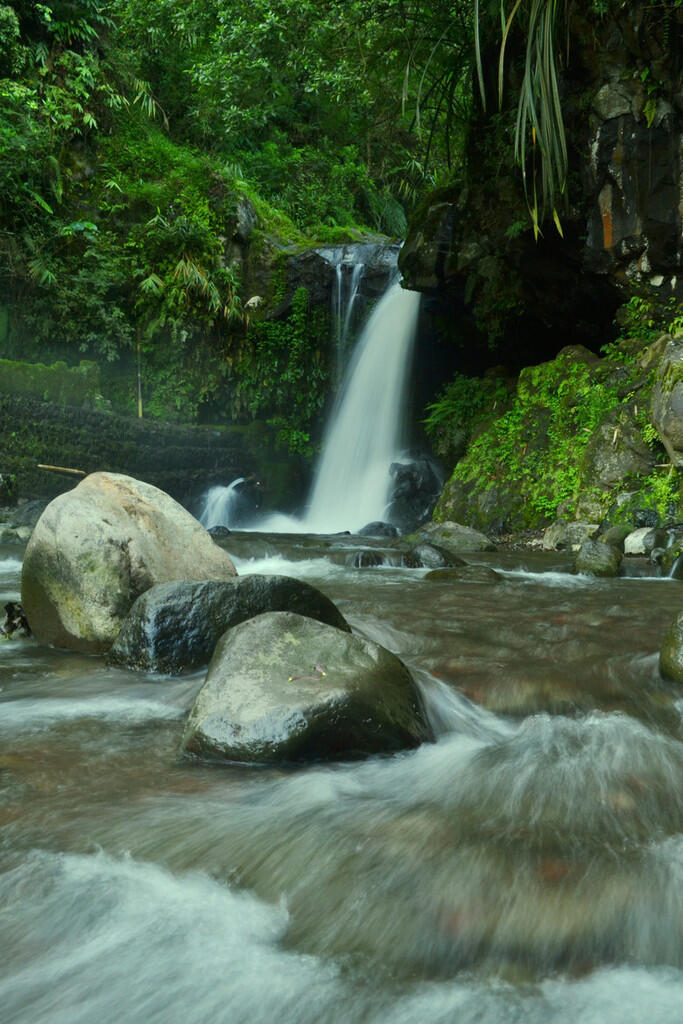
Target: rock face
671, 655
667, 401
176, 626
98, 547
624, 225
282, 688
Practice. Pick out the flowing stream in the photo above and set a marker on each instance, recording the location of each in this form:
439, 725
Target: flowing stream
526, 867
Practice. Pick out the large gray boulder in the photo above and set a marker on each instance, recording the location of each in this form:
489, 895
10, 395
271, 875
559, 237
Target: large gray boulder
96, 548
281, 687
667, 400
176, 626
671, 654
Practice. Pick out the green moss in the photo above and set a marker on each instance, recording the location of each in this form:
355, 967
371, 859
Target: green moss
78, 386
529, 458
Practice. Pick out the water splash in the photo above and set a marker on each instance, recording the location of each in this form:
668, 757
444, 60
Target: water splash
221, 505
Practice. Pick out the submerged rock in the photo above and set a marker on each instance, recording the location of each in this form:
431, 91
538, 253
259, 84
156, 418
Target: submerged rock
466, 574
430, 556
175, 626
597, 558
378, 529
671, 654
96, 548
282, 687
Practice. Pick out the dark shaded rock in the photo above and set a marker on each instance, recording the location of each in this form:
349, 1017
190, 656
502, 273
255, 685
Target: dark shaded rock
175, 626
218, 531
414, 493
365, 559
283, 688
15, 621
378, 529
431, 556
466, 574
671, 654
597, 558
615, 536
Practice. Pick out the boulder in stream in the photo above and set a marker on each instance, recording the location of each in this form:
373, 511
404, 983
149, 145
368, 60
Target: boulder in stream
598, 559
175, 626
96, 548
671, 654
454, 537
283, 688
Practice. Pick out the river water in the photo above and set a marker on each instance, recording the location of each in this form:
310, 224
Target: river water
526, 867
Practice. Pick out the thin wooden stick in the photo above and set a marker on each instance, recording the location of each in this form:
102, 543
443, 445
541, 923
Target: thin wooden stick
63, 469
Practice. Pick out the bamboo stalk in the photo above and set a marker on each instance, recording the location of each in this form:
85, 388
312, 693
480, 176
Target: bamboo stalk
62, 469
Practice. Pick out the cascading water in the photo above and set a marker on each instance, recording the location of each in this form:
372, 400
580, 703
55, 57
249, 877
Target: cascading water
221, 505
366, 432
352, 482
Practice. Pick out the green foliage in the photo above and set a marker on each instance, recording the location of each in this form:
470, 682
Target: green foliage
281, 374
538, 444
461, 404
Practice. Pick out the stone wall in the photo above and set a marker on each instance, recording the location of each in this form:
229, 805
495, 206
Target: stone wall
183, 461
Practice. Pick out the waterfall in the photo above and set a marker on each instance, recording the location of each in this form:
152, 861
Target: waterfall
221, 505
343, 303
364, 437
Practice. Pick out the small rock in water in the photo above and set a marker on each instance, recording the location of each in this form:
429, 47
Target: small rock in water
218, 531
465, 574
431, 556
378, 529
15, 621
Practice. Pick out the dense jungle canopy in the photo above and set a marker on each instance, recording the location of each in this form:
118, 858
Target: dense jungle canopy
130, 130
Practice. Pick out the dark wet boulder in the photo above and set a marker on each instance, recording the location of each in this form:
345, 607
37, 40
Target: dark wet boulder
15, 621
283, 688
430, 556
365, 559
414, 493
218, 531
598, 559
378, 529
175, 626
671, 654
615, 536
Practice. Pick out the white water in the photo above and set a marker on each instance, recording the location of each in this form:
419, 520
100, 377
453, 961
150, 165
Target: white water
221, 504
364, 437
